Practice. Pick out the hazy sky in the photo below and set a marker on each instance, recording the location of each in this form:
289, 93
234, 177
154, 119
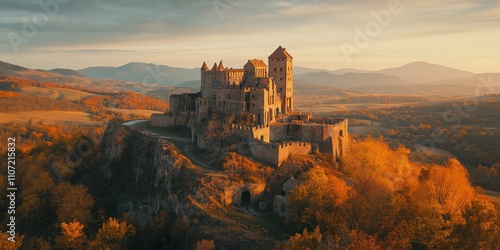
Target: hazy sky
80, 33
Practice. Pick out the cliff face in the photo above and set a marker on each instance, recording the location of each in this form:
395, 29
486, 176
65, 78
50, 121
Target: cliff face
148, 174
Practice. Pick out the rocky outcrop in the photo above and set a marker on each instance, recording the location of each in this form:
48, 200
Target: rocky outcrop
148, 174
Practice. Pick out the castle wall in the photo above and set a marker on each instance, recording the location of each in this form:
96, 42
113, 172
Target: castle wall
277, 153
169, 120
292, 148
265, 152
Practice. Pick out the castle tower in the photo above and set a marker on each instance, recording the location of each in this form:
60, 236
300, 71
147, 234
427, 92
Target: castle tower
281, 69
205, 79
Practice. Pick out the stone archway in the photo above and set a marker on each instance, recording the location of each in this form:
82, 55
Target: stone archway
245, 198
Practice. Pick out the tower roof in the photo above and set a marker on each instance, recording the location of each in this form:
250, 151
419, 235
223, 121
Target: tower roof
204, 67
257, 63
214, 68
221, 66
280, 53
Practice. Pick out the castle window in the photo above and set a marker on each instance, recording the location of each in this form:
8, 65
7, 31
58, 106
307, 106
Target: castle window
281, 69
253, 105
281, 78
275, 69
228, 96
253, 96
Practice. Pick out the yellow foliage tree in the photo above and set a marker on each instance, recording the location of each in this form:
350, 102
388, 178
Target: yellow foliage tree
72, 236
6, 244
112, 235
446, 188
316, 198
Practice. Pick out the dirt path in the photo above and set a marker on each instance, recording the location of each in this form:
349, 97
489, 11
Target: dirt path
182, 142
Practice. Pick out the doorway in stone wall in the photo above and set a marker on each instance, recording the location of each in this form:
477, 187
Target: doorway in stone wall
245, 198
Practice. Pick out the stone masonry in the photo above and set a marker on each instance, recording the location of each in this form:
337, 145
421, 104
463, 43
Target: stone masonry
264, 93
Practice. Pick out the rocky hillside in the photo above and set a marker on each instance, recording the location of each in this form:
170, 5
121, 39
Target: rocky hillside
147, 175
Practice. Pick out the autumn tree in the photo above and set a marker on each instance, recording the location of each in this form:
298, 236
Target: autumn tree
481, 226
72, 202
6, 244
446, 188
205, 245
113, 235
316, 198
72, 236
305, 240
36, 185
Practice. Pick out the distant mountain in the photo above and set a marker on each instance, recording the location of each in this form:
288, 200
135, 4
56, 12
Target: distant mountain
191, 84
481, 84
305, 89
349, 70
423, 72
144, 72
60, 76
67, 72
303, 70
349, 80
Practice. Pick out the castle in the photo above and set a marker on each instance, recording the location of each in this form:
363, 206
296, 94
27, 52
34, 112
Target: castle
265, 94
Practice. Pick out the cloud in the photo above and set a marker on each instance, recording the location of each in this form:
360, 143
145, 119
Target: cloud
99, 27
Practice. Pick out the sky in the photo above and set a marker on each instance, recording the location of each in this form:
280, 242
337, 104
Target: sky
327, 34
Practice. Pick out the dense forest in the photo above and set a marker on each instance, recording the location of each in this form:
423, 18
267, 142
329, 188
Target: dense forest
99, 105
469, 130
377, 198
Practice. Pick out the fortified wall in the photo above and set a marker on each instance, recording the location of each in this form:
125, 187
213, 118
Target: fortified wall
264, 94
277, 153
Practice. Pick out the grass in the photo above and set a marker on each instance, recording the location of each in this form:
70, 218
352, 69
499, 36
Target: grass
55, 93
48, 117
324, 108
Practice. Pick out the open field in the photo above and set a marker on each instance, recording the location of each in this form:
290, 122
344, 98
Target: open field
335, 107
48, 117
136, 112
363, 130
55, 93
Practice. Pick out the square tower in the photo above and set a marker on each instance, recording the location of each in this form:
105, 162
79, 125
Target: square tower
281, 69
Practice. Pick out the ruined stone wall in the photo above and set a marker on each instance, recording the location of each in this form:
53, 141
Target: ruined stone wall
266, 152
171, 119
292, 148
230, 101
262, 133
202, 107
277, 153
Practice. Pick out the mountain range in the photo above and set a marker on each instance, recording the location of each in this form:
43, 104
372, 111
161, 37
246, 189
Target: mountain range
416, 78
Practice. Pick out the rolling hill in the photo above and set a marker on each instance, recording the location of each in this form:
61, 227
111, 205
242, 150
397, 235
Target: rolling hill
144, 73
349, 80
423, 72
59, 76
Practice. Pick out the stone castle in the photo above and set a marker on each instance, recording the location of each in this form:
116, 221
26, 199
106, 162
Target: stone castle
265, 94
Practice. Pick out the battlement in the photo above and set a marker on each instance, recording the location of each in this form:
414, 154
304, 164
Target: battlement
277, 153
294, 144
330, 121
260, 132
